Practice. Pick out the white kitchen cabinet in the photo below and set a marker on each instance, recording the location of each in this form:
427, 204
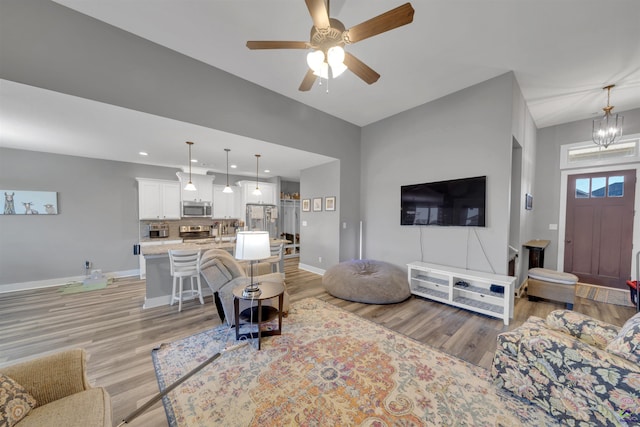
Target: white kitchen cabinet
158, 199
268, 196
226, 205
142, 261
204, 187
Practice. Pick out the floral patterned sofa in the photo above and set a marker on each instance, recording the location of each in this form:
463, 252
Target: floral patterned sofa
581, 370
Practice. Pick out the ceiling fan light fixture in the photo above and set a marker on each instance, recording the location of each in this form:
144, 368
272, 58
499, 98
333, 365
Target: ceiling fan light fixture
315, 59
335, 56
607, 129
322, 71
329, 35
338, 69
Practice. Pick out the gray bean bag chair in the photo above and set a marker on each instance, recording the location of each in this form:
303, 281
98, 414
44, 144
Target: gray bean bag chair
367, 281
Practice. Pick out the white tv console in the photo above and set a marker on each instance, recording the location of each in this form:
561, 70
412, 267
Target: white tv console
439, 283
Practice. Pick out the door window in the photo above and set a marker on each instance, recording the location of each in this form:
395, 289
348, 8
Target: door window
599, 187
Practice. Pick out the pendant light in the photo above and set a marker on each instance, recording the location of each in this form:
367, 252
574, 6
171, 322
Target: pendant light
607, 129
190, 186
257, 191
227, 189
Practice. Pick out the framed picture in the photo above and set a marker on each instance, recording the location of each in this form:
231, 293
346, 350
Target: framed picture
306, 205
19, 202
330, 203
317, 204
528, 202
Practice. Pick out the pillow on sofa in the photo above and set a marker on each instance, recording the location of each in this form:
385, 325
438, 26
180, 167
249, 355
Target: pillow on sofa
15, 401
627, 343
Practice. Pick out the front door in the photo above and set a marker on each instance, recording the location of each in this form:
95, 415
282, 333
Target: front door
599, 227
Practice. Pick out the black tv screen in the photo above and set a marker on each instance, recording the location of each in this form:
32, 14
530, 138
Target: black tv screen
457, 202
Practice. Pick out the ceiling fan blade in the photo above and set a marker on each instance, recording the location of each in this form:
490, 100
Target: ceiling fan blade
308, 81
360, 69
277, 45
319, 13
394, 18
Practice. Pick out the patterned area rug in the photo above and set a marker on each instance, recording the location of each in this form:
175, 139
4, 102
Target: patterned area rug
329, 368
603, 294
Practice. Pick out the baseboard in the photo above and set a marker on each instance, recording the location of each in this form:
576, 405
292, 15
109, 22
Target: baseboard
48, 283
311, 269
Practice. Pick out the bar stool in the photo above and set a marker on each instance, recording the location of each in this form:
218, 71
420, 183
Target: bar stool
185, 263
276, 257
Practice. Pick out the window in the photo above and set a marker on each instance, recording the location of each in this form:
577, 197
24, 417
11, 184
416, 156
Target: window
599, 187
584, 154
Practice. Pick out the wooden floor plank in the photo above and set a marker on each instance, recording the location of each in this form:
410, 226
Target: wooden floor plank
119, 335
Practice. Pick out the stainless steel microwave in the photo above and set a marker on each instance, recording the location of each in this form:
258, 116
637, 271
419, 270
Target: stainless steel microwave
196, 209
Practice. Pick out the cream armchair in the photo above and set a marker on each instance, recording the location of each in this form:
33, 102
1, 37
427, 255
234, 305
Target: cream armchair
223, 273
62, 392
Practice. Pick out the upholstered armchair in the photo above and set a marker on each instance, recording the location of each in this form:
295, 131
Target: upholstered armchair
53, 390
223, 273
579, 369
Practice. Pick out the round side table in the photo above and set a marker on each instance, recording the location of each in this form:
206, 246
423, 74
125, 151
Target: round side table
269, 290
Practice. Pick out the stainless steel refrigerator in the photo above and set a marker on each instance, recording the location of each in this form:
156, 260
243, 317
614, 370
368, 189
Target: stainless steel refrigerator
262, 218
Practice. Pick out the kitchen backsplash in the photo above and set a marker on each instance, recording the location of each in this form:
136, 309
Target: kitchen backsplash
229, 225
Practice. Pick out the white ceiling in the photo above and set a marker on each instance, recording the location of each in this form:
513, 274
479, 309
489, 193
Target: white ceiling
562, 54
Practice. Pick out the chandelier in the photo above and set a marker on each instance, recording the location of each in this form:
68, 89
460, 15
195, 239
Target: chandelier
607, 129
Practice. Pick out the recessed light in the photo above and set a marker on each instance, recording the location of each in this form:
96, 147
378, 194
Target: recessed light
194, 160
267, 171
233, 166
143, 153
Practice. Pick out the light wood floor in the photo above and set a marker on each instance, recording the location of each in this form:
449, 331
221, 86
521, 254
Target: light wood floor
119, 335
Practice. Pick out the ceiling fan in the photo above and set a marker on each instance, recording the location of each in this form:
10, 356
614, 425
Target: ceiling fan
328, 36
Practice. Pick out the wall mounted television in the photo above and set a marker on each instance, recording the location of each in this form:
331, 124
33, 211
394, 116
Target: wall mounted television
456, 202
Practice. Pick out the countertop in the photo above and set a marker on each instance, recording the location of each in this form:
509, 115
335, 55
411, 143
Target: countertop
203, 245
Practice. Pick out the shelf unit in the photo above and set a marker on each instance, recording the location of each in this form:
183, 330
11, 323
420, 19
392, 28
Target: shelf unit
290, 226
440, 283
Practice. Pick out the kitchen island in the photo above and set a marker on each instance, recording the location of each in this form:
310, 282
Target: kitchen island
158, 275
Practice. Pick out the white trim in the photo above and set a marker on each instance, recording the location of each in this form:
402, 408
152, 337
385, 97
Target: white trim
311, 269
562, 218
61, 281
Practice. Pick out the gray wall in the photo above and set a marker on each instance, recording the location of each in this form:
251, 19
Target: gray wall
47, 45
464, 134
547, 184
97, 220
323, 228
